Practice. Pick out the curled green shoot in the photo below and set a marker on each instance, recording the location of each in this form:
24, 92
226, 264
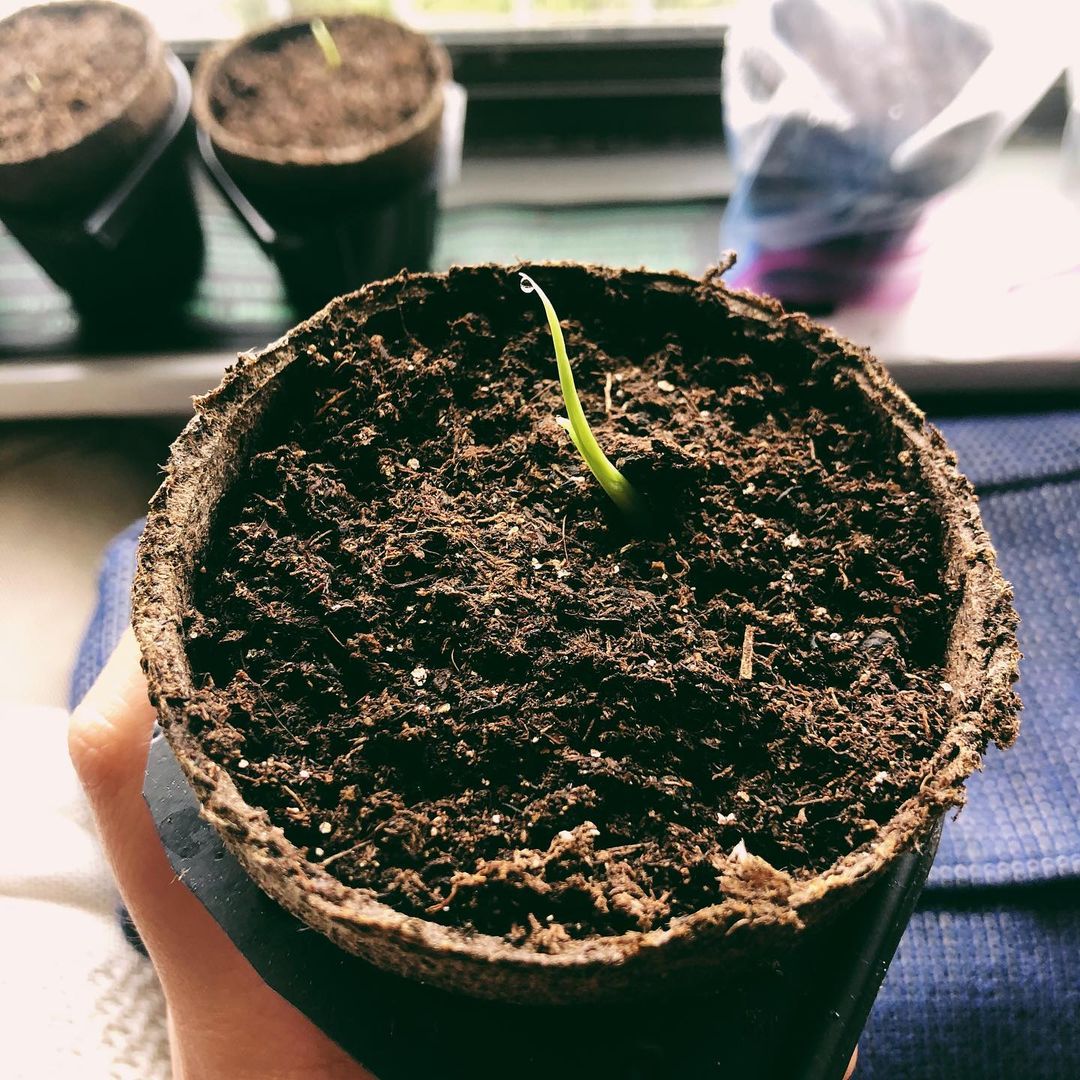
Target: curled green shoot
621, 492
325, 40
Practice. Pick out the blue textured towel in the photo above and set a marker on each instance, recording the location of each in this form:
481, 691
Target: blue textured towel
986, 983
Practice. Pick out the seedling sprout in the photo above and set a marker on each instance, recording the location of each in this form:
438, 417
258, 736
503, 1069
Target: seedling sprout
325, 40
619, 489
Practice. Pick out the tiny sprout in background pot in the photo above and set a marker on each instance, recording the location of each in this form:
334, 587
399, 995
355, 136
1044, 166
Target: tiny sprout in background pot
619, 489
325, 40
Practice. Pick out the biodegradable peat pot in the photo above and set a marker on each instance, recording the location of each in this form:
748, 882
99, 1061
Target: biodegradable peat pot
93, 181
333, 169
443, 707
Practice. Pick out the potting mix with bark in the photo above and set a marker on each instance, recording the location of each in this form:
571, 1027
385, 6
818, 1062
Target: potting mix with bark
456, 678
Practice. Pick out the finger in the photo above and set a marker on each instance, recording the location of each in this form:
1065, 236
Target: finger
229, 1022
851, 1064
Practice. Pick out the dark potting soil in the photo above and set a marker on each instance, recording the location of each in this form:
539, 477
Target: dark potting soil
62, 72
453, 677
282, 93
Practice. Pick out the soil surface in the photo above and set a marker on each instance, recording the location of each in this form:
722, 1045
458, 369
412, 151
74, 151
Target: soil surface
451, 675
282, 93
61, 75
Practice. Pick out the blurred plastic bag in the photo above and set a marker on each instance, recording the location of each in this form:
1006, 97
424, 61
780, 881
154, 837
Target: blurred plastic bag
846, 117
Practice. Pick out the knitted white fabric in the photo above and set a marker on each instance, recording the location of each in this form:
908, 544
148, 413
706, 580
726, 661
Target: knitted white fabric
78, 1003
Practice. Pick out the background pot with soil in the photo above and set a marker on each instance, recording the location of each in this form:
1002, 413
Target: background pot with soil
325, 137
446, 708
93, 181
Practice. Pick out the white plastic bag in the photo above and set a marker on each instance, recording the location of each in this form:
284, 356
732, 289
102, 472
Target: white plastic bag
845, 117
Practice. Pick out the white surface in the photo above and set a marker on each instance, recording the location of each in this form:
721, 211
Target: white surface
999, 289
78, 1002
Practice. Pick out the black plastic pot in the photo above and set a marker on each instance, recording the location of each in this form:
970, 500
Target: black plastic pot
332, 218
323, 251
140, 249
799, 1019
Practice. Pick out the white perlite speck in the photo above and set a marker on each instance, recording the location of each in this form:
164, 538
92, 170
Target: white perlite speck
414, 463
325, 828
419, 675
663, 384
792, 540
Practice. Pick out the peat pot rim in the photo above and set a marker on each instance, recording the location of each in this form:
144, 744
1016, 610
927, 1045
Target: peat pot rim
240, 148
766, 907
144, 82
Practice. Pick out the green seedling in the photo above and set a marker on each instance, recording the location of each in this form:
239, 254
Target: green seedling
325, 40
619, 489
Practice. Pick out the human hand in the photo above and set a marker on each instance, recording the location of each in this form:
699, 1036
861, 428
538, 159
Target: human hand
224, 1021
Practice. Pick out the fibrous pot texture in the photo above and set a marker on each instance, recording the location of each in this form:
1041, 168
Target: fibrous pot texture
448, 709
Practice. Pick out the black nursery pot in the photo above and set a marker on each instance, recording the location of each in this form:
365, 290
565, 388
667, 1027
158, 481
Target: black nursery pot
334, 216
797, 1021
113, 220
321, 254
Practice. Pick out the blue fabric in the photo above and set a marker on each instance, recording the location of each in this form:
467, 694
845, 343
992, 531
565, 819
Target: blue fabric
986, 983
112, 612
1022, 822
